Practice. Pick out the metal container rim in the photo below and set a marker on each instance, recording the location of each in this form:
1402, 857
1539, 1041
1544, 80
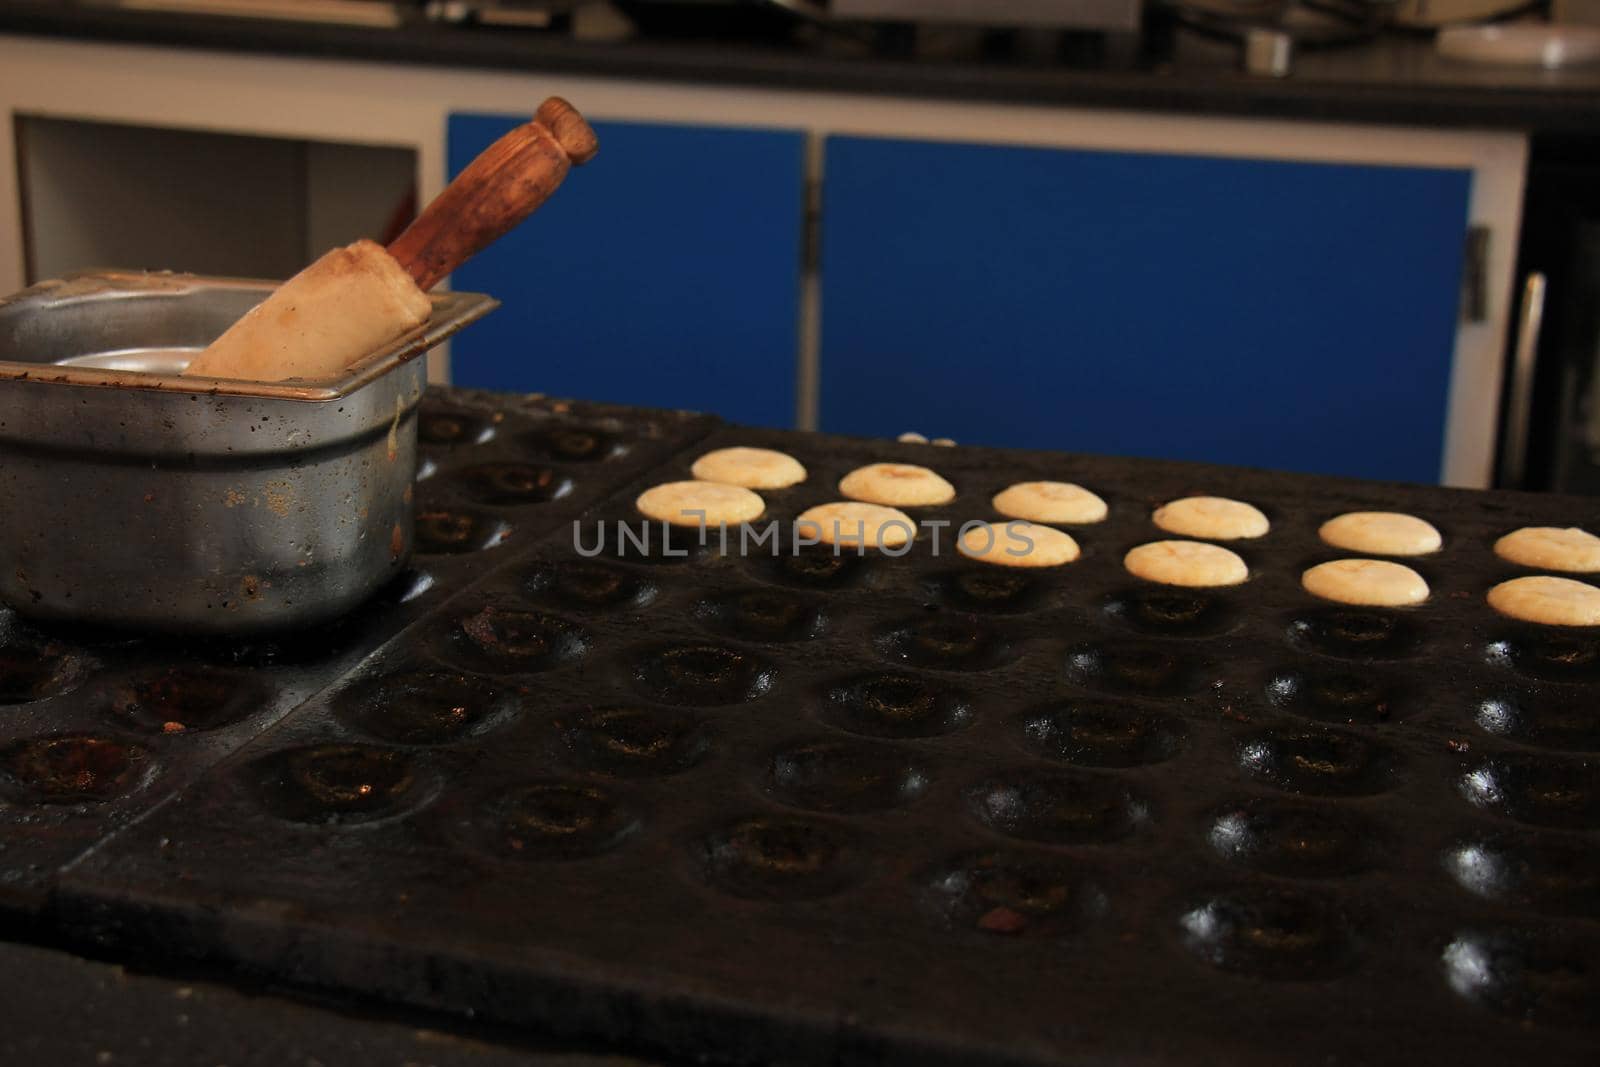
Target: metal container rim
451, 312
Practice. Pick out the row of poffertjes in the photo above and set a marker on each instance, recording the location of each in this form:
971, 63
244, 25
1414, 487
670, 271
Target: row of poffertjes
723, 493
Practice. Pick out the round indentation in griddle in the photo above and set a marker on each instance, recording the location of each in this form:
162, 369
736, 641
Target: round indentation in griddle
896, 705
573, 444
340, 784
452, 531
514, 484
1101, 733
1057, 807
776, 857
946, 642
502, 640
180, 699
1539, 978
1270, 932
844, 776
1536, 872
814, 567
1354, 697
1131, 667
1163, 611
1557, 722
762, 615
588, 585
1354, 633
1550, 654
1014, 894
633, 741
425, 706
1319, 762
554, 820
707, 675
71, 769
1537, 790
1296, 840
435, 427
30, 672
988, 589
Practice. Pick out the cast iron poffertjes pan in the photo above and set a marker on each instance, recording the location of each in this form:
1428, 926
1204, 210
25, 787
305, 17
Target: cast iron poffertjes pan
917, 810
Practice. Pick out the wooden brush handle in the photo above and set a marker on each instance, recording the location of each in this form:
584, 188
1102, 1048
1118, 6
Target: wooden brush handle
503, 186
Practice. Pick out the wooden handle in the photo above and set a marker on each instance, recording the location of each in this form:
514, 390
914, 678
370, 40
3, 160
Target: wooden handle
503, 186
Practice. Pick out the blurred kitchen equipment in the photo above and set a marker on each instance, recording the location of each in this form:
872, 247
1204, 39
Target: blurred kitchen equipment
136, 497
1268, 51
719, 17
1062, 14
1569, 11
382, 13
528, 14
1522, 44
1430, 13
1268, 33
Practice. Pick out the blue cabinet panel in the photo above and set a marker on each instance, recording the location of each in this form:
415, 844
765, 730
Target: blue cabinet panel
664, 273
1291, 315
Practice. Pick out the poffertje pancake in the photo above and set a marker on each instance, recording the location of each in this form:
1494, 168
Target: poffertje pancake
1551, 548
897, 485
1552, 601
1211, 518
1017, 544
1050, 502
1187, 563
1382, 533
852, 523
752, 468
1368, 582
700, 504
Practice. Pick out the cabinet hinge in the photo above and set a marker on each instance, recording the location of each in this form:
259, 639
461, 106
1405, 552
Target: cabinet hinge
1475, 276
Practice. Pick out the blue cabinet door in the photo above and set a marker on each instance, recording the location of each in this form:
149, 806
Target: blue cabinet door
664, 273
1300, 316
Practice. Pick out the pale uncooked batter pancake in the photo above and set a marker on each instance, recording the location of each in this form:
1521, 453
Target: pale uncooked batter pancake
1552, 601
1187, 563
897, 485
1050, 502
1369, 582
700, 504
753, 468
1551, 548
1382, 533
1017, 544
851, 523
1212, 518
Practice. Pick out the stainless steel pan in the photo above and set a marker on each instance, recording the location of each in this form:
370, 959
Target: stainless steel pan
134, 497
